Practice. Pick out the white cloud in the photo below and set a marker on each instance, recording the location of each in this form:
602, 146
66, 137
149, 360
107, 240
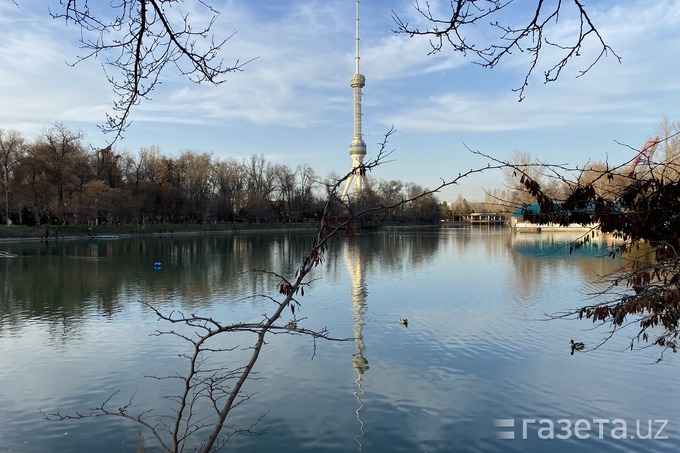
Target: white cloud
609, 93
38, 84
298, 85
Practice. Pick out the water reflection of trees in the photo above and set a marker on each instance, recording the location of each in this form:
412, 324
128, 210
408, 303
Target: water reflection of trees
462, 240
398, 248
538, 258
70, 280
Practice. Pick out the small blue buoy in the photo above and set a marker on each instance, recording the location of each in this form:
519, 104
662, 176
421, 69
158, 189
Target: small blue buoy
157, 265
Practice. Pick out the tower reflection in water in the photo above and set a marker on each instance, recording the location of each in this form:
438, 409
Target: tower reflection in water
352, 255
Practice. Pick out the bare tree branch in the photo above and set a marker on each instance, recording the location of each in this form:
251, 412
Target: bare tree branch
139, 42
470, 15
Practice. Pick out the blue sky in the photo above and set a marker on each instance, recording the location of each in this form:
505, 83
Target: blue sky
294, 103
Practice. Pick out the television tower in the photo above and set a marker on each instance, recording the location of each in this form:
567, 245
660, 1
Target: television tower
357, 150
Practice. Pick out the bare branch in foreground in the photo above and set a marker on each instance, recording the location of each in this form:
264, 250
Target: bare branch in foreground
469, 17
138, 43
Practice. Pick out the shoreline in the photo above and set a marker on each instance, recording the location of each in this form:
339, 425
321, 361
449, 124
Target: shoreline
20, 233
38, 235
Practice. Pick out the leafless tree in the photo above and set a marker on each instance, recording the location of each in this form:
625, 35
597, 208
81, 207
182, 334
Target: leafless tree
12, 151
60, 153
470, 18
138, 40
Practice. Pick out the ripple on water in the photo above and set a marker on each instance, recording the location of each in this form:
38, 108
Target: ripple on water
473, 351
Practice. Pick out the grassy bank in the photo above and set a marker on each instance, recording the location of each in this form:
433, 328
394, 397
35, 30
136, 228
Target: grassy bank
22, 232
52, 232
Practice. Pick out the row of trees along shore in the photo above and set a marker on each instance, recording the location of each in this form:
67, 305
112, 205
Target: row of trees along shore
608, 179
56, 179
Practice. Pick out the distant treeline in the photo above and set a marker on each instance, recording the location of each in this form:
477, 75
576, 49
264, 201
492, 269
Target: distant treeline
56, 179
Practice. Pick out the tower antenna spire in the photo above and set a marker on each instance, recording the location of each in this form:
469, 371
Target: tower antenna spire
357, 150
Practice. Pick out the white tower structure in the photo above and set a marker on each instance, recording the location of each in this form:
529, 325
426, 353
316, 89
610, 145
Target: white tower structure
357, 150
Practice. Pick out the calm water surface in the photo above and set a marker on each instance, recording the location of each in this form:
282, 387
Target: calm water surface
478, 347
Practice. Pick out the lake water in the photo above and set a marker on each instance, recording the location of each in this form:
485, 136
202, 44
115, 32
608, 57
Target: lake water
478, 348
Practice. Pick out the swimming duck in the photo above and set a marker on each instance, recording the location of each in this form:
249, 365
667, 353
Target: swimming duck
403, 321
577, 346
